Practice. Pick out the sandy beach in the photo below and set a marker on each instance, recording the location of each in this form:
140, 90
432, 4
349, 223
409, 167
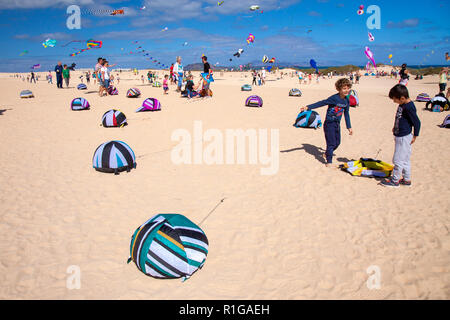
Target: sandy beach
306, 232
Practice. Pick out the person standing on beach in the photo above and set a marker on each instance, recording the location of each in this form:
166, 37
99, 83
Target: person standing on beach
337, 106
97, 73
443, 79
207, 71
178, 72
165, 84
59, 76
105, 78
32, 77
404, 76
263, 76
66, 75
405, 119
49, 77
171, 75
88, 77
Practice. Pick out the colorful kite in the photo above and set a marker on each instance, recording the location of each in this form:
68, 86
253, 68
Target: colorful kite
49, 43
91, 44
250, 39
254, 7
272, 60
23, 52
219, 3
265, 59
117, 12
165, 29
313, 64
371, 37
361, 10
36, 66
369, 55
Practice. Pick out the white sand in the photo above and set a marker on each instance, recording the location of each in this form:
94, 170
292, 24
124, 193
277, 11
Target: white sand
308, 232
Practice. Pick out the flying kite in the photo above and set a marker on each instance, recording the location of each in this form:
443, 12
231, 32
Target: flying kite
390, 56
115, 12
361, 10
265, 59
185, 44
309, 31
49, 43
250, 39
36, 66
369, 55
254, 7
165, 29
371, 37
219, 3
23, 52
142, 8
313, 64
272, 60
238, 53
91, 44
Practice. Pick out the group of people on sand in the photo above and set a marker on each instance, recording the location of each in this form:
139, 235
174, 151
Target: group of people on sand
104, 76
406, 128
180, 78
259, 78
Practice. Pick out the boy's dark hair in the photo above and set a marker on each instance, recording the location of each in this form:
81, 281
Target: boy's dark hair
98, 60
344, 82
399, 91
65, 65
205, 58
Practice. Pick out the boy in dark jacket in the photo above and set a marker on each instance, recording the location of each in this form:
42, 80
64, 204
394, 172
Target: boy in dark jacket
337, 106
405, 119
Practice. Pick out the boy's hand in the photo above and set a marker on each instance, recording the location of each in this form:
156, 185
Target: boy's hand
413, 139
350, 131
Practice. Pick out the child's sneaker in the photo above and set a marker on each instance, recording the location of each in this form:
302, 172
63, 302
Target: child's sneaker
390, 183
405, 183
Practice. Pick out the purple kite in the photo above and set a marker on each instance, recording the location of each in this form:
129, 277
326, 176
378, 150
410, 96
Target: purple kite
369, 55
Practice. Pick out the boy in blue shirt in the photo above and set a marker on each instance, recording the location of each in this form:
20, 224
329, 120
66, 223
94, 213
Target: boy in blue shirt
405, 119
337, 106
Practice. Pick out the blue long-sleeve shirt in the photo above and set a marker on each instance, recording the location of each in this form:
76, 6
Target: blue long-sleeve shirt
405, 119
336, 108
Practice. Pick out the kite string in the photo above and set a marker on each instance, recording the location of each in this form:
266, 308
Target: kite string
217, 205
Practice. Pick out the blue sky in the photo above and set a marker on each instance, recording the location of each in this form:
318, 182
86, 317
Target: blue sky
415, 32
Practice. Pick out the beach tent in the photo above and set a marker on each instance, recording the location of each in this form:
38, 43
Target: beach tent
113, 91
353, 99
150, 104
246, 87
133, 93
78, 104
423, 97
294, 92
114, 157
114, 118
254, 101
308, 119
367, 167
446, 123
26, 94
168, 246
81, 86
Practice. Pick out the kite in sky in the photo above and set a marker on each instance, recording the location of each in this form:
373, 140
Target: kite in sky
49, 43
254, 7
91, 44
371, 37
265, 59
219, 3
313, 64
23, 52
36, 66
250, 38
369, 55
361, 10
115, 12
